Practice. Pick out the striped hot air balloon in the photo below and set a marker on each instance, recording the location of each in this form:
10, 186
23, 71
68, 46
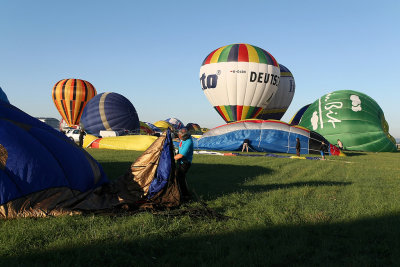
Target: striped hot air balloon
70, 97
239, 80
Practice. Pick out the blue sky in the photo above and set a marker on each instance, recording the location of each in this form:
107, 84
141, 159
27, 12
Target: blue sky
151, 51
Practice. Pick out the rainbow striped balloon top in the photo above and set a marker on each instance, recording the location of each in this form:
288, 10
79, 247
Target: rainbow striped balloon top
240, 53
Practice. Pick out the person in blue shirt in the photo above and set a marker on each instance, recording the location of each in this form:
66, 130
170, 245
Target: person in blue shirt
184, 161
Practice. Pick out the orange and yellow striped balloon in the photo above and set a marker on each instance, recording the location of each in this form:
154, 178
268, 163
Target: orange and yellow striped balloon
70, 97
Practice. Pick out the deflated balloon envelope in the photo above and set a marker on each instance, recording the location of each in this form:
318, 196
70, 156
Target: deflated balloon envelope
40, 166
145, 129
239, 80
111, 112
264, 136
353, 117
153, 127
163, 125
194, 128
176, 123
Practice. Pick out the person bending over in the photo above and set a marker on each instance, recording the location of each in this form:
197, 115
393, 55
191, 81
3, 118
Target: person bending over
246, 145
184, 161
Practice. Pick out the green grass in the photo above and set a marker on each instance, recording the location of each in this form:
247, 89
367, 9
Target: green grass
342, 211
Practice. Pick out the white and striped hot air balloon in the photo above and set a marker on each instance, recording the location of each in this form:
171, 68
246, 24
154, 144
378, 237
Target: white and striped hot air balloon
239, 80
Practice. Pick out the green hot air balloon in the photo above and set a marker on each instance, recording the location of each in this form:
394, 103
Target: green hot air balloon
354, 118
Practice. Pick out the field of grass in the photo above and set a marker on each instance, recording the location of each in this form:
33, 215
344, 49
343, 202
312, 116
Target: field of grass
342, 211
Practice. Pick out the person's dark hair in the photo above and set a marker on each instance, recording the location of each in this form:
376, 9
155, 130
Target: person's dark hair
183, 132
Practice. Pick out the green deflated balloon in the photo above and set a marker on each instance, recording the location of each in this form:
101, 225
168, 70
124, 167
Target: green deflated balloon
354, 118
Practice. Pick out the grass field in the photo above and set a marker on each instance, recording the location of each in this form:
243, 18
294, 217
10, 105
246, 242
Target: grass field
342, 211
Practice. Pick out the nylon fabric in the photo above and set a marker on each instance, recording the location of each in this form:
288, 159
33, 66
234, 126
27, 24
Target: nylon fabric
353, 117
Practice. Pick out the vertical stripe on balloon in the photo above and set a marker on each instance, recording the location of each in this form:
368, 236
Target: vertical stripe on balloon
233, 112
80, 90
250, 112
218, 109
81, 106
59, 106
229, 112
207, 60
74, 111
261, 55
224, 54
62, 91
253, 56
71, 115
243, 55
103, 113
272, 59
74, 91
239, 109
245, 110
86, 90
233, 53
225, 112
55, 90
215, 56
65, 111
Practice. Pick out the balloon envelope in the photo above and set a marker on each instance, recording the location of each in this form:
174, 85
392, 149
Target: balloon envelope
176, 123
282, 98
163, 125
70, 97
145, 129
239, 80
297, 117
353, 117
153, 127
264, 136
194, 128
40, 166
111, 112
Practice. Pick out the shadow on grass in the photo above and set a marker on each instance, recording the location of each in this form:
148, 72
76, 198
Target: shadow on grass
353, 153
114, 170
269, 187
213, 180
366, 242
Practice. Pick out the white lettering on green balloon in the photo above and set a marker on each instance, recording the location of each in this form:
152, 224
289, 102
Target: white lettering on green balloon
329, 106
330, 114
